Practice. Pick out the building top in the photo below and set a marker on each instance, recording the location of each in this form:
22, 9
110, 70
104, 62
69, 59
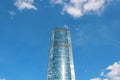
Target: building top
60, 29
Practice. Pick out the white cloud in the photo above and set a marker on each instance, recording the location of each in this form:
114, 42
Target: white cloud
78, 8
94, 5
105, 79
57, 1
102, 74
113, 74
95, 79
2, 79
25, 4
12, 12
73, 11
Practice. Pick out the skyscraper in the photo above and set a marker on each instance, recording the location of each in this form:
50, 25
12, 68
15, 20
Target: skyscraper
60, 66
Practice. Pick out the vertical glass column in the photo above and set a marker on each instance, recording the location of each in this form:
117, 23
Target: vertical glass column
60, 66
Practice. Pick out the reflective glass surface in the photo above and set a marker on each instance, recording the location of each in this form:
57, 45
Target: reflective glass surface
60, 66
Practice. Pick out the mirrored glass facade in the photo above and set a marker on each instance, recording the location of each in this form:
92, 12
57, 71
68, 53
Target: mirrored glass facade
60, 66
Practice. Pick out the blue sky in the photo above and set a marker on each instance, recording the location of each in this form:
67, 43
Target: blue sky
25, 31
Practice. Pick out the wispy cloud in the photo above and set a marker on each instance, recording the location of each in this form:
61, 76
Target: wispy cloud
95, 79
12, 12
113, 74
25, 4
78, 8
2, 79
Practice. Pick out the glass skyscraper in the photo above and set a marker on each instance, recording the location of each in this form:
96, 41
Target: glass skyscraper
60, 66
